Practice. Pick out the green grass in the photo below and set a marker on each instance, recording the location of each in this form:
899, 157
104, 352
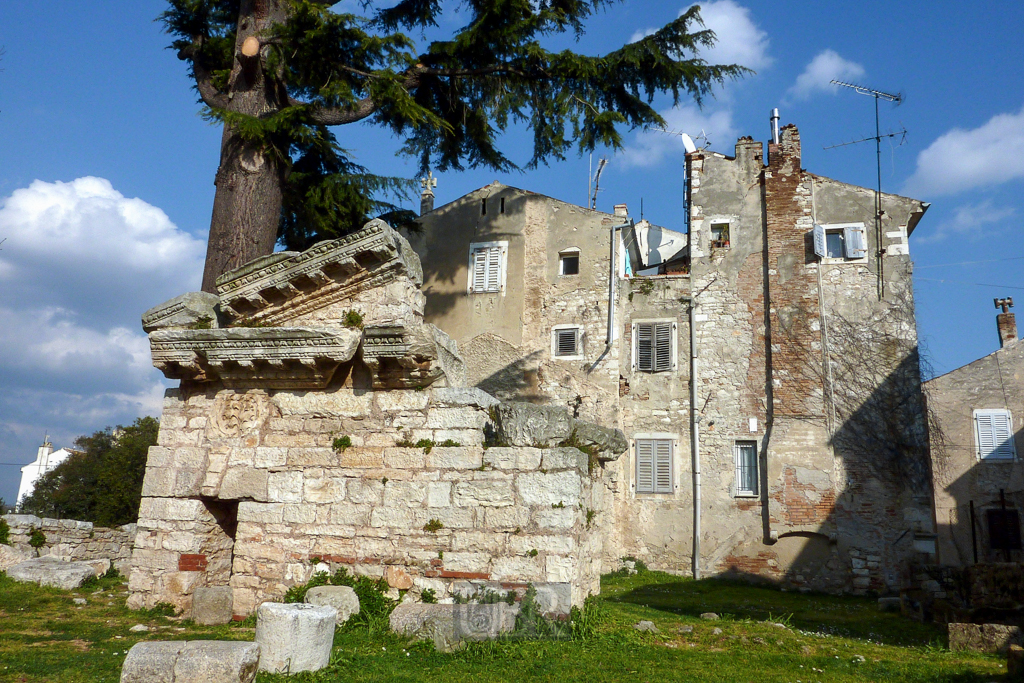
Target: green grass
43, 637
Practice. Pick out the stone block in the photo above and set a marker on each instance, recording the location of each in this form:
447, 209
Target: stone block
1015, 663
483, 494
10, 556
182, 312
513, 458
365, 491
404, 458
554, 599
439, 494
294, 637
244, 482
456, 418
527, 424
553, 488
464, 437
158, 482
209, 661
341, 598
404, 493
401, 400
398, 578
268, 456
284, 487
324, 490
563, 458
991, 638
452, 396
261, 513
51, 571
560, 569
212, 605
151, 662
609, 443
456, 458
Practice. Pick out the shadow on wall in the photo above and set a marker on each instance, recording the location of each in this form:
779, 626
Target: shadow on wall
499, 370
858, 532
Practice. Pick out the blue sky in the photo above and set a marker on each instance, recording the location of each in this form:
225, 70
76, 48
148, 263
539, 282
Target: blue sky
106, 173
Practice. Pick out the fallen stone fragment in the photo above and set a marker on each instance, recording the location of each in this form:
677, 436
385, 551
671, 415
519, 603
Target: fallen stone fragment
50, 571
204, 661
294, 637
139, 628
79, 601
716, 632
449, 625
991, 638
685, 629
710, 616
1015, 663
646, 626
341, 598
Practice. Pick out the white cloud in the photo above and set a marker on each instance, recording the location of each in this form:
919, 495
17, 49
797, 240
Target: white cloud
967, 222
650, 147
960, 160
825, 67
79, 265
738, 39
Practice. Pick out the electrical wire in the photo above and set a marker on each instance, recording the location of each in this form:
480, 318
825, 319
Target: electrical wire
964, 282
967, 263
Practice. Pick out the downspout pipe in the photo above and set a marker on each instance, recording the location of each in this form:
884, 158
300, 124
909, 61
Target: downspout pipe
612, 280
694, 441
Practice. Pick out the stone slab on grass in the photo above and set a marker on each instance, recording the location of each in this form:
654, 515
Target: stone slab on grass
294, 637
449, 625
212, 605
203, 661
341, 598
50, 571
992, 638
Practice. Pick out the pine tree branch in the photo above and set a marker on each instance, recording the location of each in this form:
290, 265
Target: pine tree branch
209, 93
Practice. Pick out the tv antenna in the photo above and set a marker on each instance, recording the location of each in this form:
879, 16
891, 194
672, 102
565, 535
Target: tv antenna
595, 181
896, 98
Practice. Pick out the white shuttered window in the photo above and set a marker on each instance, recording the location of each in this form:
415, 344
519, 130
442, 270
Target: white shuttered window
654, 465
654, 346
993, 435
487, 266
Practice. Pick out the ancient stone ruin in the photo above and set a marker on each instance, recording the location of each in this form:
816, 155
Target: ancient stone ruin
320, 420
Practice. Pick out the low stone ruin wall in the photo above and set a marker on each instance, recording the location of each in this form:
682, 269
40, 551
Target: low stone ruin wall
251, 489
76, 541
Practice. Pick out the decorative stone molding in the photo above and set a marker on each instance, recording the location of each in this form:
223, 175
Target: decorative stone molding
187, 310
282, 286
401, 357
280, 357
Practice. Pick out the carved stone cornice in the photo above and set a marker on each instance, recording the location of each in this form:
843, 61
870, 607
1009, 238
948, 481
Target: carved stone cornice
278, 357
285, 285
187, 310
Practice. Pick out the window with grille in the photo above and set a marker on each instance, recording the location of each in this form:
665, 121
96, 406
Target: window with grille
746, 468
993, 435
654, 465
1003, 529
654, 346
487, 266
566, 342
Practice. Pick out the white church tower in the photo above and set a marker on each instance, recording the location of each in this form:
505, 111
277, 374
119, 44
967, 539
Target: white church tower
46, 460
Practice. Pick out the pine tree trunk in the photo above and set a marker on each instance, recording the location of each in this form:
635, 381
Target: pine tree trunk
247, 204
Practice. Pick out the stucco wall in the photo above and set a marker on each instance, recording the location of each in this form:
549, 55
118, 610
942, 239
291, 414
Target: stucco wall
995, 381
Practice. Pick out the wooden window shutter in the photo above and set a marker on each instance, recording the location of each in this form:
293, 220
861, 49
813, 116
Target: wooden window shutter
479, 270
663, 466
662, 347
853, 237
645, 466
818, 233
994, 432
645, 347
494, 269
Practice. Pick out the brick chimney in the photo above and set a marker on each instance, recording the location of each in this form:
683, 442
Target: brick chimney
621, 211
1006, 323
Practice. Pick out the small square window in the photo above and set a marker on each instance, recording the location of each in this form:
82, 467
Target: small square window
746, 468
720, 235
569, 263
834, 244
566, 342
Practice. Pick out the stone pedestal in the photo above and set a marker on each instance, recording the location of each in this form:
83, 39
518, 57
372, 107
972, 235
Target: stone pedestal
208, 661
294, 637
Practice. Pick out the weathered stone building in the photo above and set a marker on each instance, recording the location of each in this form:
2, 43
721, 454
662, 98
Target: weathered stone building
976, 442
769, 369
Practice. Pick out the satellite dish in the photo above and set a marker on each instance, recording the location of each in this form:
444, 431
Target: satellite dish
688, 144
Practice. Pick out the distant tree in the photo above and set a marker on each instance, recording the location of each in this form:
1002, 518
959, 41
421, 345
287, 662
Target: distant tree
102, 483
279, 73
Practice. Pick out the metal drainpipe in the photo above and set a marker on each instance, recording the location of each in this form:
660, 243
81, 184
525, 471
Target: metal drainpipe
612, 277
694, 442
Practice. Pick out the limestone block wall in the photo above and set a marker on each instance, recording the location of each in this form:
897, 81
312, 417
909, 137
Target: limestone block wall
248, 490
76, 541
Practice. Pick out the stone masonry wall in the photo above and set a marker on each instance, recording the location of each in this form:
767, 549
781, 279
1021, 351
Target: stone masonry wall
76, 541
246, 490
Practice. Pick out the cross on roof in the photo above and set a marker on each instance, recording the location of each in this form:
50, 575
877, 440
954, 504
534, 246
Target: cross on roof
429, 182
